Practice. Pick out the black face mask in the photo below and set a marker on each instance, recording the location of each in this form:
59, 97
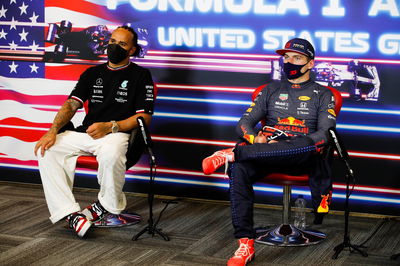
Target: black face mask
116, 53
293, 71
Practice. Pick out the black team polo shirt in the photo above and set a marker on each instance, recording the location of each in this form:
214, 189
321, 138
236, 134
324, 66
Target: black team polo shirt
114, 94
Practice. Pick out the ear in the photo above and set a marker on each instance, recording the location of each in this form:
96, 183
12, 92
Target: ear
311, 64
132, 51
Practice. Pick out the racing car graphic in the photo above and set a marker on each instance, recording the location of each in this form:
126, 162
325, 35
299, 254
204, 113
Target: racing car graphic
89, 43
360, 81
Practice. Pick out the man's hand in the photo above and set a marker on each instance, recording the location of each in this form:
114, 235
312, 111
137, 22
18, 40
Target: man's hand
63, 116
99, 129
263, 139
260, 138
45, 142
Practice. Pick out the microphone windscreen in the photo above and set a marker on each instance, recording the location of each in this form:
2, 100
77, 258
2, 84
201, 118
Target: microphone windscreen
340, 148
145, 132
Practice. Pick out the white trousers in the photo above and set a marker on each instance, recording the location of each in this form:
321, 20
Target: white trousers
57, 171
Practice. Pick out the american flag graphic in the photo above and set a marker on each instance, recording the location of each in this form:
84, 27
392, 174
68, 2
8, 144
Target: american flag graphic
32, 90
21, 48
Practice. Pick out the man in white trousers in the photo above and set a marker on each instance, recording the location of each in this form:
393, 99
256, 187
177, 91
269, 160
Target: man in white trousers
118, 92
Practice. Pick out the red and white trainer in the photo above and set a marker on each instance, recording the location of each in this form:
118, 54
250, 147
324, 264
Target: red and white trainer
216, 160
244, 254
94, 212
79, 223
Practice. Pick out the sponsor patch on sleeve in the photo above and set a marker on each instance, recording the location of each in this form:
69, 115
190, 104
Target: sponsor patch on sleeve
332, 112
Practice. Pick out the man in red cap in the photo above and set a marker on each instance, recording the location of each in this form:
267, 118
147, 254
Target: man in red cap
298, 113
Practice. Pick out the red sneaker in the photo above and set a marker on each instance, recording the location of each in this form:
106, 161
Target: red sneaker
216, 160
244, 254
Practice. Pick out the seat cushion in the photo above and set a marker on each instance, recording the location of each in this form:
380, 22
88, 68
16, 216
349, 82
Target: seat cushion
285, 179
88, 162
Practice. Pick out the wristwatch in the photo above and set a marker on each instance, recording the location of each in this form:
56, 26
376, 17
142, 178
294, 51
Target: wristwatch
115, 127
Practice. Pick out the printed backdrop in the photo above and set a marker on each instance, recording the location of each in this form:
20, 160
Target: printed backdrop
206, 57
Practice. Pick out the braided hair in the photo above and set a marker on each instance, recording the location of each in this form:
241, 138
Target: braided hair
134, 40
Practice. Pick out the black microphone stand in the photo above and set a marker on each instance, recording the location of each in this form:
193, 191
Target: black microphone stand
342, 153
346, 241
151, 227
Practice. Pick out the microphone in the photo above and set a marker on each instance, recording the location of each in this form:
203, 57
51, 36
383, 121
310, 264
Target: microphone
340, 149
146, 138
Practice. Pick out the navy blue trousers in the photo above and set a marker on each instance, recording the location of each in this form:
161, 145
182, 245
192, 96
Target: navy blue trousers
252, 162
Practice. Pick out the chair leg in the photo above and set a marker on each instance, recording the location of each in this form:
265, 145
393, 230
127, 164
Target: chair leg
285, 234
287, 191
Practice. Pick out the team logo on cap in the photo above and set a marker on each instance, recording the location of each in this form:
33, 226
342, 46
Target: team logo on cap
298, 45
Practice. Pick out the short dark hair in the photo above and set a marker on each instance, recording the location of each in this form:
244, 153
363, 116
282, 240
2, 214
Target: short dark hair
134, 40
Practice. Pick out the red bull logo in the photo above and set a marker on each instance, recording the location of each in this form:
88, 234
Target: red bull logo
249, 138
296, 86
291, 121
292, 124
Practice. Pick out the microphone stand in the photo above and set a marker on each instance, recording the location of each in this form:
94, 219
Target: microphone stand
346, 240
343, 155
151, 227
